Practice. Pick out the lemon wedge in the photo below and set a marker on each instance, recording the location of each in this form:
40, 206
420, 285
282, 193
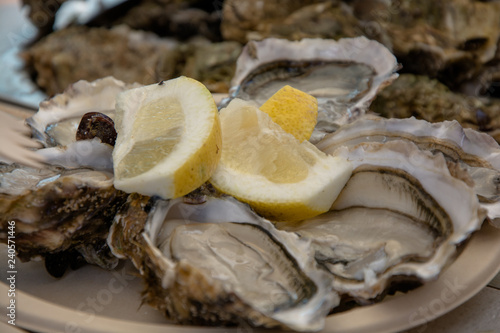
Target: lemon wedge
281, 178
294, 110
169, 138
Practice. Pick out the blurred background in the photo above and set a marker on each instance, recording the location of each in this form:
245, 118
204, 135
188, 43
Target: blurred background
448, 49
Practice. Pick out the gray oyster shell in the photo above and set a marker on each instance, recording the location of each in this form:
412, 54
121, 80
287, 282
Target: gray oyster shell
400, 218
428, 99
478, 153
58, 210
343, 75
56, 123
57, 119
217, 263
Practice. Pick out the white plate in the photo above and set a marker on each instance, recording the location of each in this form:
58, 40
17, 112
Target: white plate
94, 300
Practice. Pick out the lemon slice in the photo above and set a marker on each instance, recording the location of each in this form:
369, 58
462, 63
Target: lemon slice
294, 110
281, 178
169, 138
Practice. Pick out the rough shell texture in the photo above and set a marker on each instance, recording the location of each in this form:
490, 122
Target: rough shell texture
58, 210
184, 279
451, 39
428, 99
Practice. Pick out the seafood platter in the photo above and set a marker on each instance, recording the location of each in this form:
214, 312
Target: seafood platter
416, 202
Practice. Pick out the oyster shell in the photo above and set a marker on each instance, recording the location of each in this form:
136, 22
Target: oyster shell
428, 99
57, 120
59, 211
452, 39
400, 217
477, 153
343, 75
217, 263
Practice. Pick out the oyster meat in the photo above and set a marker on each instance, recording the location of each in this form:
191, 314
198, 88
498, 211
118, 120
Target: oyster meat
217, 263
400, 218
57, 119
343, 75
477, 153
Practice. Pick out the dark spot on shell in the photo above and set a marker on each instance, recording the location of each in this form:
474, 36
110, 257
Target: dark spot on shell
161, 83
56, 264
473, 44
96, 124
483, 120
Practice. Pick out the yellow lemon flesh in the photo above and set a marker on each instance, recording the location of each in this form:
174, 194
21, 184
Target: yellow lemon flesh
169, 138
294, 110
279, 177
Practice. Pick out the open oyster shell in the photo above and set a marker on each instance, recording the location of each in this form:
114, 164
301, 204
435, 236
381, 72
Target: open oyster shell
57, 119
217, 263
343, 75
477, 153
400, 218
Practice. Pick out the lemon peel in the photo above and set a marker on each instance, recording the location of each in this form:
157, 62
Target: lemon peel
169, 138
281, 178
294, 110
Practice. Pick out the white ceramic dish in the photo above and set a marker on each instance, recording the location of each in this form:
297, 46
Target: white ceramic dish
94, 300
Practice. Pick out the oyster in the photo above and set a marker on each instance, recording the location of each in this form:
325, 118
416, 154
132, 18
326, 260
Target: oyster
343, 75
400, 218
63, 212
477, 153
447, 39
59, 211
80, 154
93, 148
217, 263
57, 120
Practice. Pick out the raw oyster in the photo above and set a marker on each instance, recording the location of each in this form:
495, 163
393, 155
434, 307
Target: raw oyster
343, 75
400, 218
217, 263
59, 211
476, 152
57, 120
80, 154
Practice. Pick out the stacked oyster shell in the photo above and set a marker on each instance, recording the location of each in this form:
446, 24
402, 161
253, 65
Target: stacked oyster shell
418, 191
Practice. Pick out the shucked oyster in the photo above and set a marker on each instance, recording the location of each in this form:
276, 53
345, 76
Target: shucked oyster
343, 75
57, 120
56, 124
217, 263
476, 152
400, 218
